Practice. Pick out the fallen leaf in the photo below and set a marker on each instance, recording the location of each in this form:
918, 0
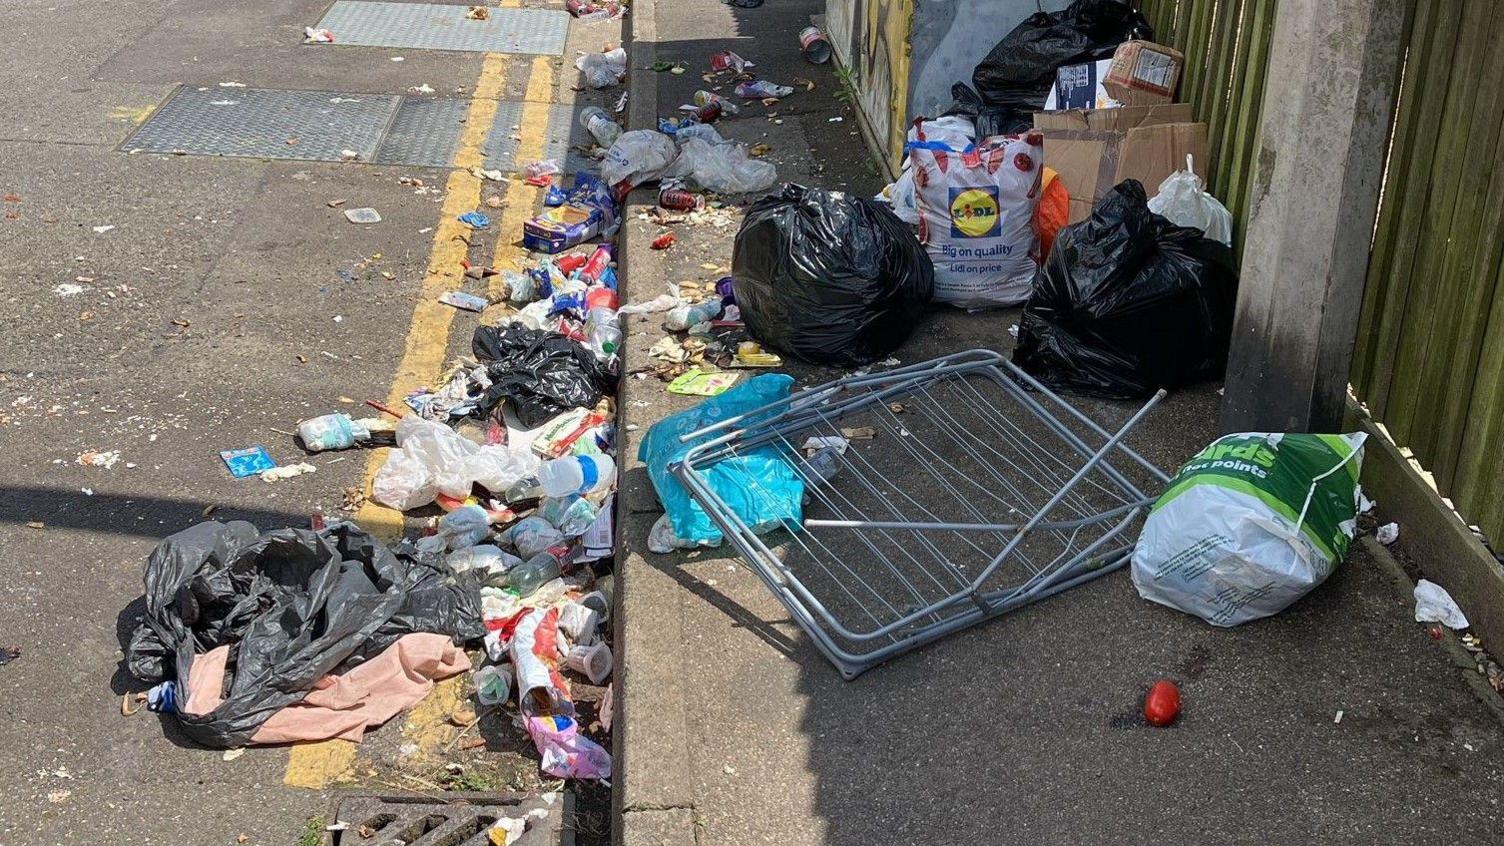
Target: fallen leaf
809, 84
210, 509
232, 754
859, 433
334, 204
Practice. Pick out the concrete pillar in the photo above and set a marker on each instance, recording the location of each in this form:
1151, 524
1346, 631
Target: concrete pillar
1326, 116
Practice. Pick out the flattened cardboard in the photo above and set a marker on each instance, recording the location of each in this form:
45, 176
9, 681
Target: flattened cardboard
1093, 150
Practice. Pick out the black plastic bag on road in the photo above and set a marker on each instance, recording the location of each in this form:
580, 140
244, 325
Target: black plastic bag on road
540, 374
1127, 303
294, 604
829, 277
1015, 78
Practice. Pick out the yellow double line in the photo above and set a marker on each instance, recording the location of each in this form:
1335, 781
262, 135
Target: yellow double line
316, 765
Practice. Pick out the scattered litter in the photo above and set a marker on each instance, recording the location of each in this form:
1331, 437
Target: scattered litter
1387, 533
99, 458
701, 384
100, 230
232, 85
727, 60
312, 35
286, 471
232, 754
250, 461
334, 204
475, 220
9, 654
478, 13
1162, 703
603, 70
68, 289
464, 301
363, 215
813, 46
1337, 718
1434, 605
664, 241
425, 88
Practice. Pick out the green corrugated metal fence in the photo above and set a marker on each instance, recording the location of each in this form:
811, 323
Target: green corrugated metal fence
1429, 360
1226, 46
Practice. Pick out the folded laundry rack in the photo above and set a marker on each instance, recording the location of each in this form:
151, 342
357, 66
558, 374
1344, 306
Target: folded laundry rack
936, 495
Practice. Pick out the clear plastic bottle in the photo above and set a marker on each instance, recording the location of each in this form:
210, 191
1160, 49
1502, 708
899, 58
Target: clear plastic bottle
705, 98
493, 685
538, 570
602, 332
680, 318
331, 431
577, 474
601, 127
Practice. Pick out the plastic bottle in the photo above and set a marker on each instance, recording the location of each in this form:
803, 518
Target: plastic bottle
601, 127
538, 570
705, 98
572, 515
485, 557
682, 317
493, 685
577, 474
331, 431
602, 332
761, 88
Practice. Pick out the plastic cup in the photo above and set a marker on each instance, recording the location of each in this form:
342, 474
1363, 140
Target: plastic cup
493, 684
594, 661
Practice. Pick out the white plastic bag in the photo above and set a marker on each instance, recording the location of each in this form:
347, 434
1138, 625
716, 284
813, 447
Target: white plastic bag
724, 168
1250, 524
639, 156
603, 70
1184, 201
976, 215
1434, 605
432, 458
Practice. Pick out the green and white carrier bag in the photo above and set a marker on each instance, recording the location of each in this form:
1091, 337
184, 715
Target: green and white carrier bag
1251, 524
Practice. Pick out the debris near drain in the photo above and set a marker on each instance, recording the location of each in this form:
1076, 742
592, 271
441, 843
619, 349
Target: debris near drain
416, 819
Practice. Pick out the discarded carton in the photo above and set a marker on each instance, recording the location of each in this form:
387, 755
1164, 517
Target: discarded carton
1095, 149
1080, 87
1143, 73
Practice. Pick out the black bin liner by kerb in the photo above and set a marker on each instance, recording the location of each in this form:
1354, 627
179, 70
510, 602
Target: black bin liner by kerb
1015, 78
540, 374
829, 277
294, 603
1127, 303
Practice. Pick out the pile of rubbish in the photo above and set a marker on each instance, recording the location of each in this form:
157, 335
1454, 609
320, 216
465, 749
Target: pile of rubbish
307, 634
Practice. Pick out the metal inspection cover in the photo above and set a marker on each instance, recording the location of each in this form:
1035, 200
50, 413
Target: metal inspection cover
564, 133
430, 26
424, 133
463, 820
266, 123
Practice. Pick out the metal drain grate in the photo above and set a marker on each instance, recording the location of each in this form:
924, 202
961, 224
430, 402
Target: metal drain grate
463, 820
429, 26
266, 123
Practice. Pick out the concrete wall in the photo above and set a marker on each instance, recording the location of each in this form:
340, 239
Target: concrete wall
904, 55
950, 37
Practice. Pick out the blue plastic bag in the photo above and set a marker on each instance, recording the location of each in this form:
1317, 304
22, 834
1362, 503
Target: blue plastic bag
759, 485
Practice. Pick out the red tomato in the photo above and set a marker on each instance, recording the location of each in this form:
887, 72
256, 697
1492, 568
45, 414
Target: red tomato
1162, 705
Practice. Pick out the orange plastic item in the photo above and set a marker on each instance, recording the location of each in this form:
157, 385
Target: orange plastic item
1052, 212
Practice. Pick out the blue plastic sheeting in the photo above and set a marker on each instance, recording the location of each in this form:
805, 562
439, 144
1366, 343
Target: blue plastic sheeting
759, 486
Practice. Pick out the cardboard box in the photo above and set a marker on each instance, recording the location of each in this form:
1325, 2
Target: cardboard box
1080, 87
1095, 149
1143, 73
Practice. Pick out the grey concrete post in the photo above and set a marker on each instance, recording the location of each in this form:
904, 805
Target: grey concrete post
1326, 116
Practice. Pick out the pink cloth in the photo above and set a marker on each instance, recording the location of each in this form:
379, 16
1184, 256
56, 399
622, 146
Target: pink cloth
342, 706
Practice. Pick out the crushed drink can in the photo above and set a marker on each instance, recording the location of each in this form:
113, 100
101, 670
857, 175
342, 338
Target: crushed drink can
677, 198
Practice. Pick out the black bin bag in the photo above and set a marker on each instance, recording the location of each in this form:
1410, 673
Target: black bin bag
539, 374
829, 277
294, 605
1127, 303
1015, 78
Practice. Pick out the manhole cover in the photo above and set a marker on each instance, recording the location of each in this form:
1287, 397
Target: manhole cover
429, 26
463, 819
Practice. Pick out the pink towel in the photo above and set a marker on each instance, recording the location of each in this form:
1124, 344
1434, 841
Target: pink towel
342, 706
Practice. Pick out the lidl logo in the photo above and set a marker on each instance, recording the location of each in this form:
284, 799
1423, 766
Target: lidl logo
974, 212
